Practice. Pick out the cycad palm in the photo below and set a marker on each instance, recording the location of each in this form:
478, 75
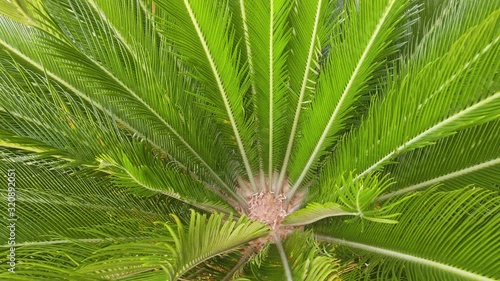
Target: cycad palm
312, 140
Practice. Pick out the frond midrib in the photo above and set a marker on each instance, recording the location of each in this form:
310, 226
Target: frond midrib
112, 115
359, 64
406, 257
32, 120
284, 258
251, 71
37, 150
72, 241
271, 89
77, 204
118, 34
422, 135
456, 75
223, 93
301, 95
174, 195
449, 176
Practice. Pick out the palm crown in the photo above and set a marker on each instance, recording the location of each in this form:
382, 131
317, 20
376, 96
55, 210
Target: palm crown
251, 140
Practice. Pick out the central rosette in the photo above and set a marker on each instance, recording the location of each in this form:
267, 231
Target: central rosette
269, 203
267, 207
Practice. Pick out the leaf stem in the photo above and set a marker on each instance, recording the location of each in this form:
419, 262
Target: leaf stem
405, 257
284, 258
248, 253
340, 103
301, 95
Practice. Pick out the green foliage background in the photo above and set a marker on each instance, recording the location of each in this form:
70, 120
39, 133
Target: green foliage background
131, 123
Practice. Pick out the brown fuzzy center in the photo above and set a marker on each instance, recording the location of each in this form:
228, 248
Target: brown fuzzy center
269, 205
268, 208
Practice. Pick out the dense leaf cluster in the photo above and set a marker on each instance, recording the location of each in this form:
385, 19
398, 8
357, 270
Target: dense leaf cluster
143, 133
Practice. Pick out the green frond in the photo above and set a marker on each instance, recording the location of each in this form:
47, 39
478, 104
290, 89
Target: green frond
144, 175
440, 236
354, 55
223, 236
411, 114
342, 196
112, 87
314, 212
49, 204
167, 251
22, 11
50, 123
267, 38
41, 117
311, 31
250, 140
239, 19
470, 157
306, 258
194, 28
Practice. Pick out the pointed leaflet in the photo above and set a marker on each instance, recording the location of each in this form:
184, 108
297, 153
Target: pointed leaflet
353, 56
